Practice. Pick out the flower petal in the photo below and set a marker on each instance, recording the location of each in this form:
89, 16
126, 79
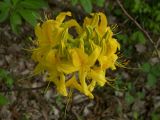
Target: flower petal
98, 76
74, 84
61, 87
94, 55
60, 18
67, 68
103, 23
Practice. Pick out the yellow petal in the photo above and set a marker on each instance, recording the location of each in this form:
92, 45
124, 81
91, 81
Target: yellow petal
39, 33
108, 61
87, 21
82, 78
92, 85
53, 76
47, 28
61, 87
60, 18
74, 84
73, 23
98, 76
103, 24
39, 54
75, 58
94, 55
95, 20
79, 58
51, 59
67, 68
111, 46
38, 69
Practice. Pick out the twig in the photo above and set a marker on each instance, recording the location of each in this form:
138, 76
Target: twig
23, 89
158, 43
139, 26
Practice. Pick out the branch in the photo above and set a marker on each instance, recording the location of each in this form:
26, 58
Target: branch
139, 26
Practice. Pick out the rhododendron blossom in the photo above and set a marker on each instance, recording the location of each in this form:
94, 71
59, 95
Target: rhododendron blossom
85, 56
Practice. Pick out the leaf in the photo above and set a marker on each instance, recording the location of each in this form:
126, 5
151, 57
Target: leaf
3, 73
155, 70
3, 100
15, 2
130, 86
155, 116
123, 38
99, 3
29, 16
135, 115
129, 98
140, 95
15, 20
151, 80
6, 78
87, 5
4, 15
138, 37
74, 2
146, 67
4, 11
33, 4
158, 17
9, 82
137, 6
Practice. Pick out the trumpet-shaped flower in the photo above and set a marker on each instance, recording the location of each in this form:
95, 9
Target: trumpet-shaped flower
86, 55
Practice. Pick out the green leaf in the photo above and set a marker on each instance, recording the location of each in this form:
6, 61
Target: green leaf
158, 17
4, 11
74, 2
137, 6
9, 82
4, 15
135, 115
99, 3
15, 2
155, 116
87, 5
129, 98
4, 5
140, 95
122, 38
15, 20
3, 100
130, 86
146, 67
155, 70
4, 75
151, 80
7, 1
138, 37
33, 4
29, 16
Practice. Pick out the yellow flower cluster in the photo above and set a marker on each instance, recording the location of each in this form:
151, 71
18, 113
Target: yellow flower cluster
65, 48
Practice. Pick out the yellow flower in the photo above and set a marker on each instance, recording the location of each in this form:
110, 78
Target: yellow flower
86, 55
83, 62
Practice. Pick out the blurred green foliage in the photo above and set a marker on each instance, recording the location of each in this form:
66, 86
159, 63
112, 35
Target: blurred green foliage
146, 11
6, 78
18, 10
3, 100
88, 4
152, 72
